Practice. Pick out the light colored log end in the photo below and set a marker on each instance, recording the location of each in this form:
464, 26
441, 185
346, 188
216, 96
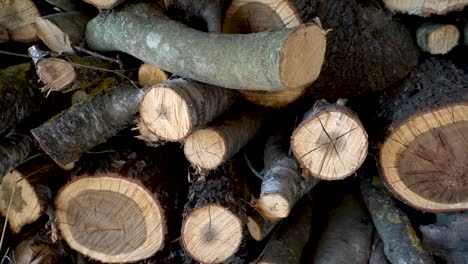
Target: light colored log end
437, 38
56, 74
423, 160
211, 234
425, 7
25, 205
104, 4
149, 75
110, 218
273, 206
331, 145
254, 228
166, 113
205, 149
17, 13
24, 34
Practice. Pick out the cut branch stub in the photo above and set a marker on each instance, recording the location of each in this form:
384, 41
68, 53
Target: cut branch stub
331, 142
173, 109
426, 7
148, 74
437, 38
251, 16
209, 147
423, 157
283, 59
55, 73
110, 218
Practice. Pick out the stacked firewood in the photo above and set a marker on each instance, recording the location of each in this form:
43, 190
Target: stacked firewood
217, 131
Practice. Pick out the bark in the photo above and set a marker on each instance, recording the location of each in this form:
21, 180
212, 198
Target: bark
208, 148
214, 216
173, 109
61, 32
448, 237
437, 38
347, 235
377, 255
30, 187
202, 15
423, 155
287, 244
424, 7
282, 184
401, 244
134, 187
4, 36
376, 55
268, 54
88, 124
19, 95
330, 143
14, 148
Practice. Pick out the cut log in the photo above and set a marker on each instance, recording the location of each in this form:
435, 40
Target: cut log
24, 34
448, 238
437, 38
210, 147
260, 227
104, 4
19, 94
130, 200
30, 187
330, 143
61, 32
146, 135
423, 157
401, 244
347, 235
149, 75
14, 148
191, 12
173, 109
17, 16
287, 244
425, 7
72, 73
226, 60
251, 16
213, 226
88, 124
4, 36
282, 184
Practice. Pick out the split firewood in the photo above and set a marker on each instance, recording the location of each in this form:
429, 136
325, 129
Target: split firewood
226, 60
61, 32
213, 226
18, 17
87, 124
173, 109
19, 93
104, 4
26, 192
129, 198
448, 238
425, 7
14, 148
73, 73
4, 36
282, 184
288, 242
401, 243
437, 38
347, 235
190, 12
330, 143
210, 147
149, 75
423, 157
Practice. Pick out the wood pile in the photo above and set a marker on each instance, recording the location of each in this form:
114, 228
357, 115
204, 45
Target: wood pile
241, 131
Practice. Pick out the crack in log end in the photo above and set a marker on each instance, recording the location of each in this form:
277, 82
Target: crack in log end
110, 218
205, 149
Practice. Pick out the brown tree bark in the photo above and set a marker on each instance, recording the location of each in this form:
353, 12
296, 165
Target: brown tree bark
14, 148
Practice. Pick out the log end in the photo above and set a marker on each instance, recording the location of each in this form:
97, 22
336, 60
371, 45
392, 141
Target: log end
25, 206
56, 74
254, 228
438, 39
273, 206
300, 71
24, 34
149, 75
332, 145
110, 218
273, 99
54, 37
205, 149
211, 234
423, 160
166, 113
